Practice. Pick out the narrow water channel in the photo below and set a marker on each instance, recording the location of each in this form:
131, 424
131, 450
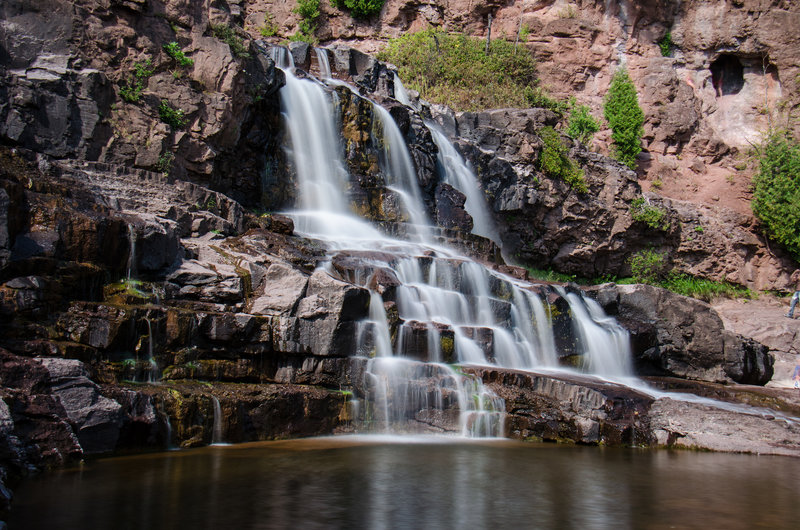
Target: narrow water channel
380, 482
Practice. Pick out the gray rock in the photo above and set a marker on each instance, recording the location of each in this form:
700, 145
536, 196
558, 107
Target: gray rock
683, 337
283, 287
301, 54
95, 418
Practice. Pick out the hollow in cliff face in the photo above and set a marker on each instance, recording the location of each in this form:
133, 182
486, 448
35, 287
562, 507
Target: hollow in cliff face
740, 95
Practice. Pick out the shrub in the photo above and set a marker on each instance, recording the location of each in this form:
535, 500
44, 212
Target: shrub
666, 45
538, 97
134, 85
171, 116
270, 28
360, 8
582, 124
653, 216
554, 160
648, 266
164, 163
625, 118
453, 69
309, 13
228, 35
776, 190
173, 49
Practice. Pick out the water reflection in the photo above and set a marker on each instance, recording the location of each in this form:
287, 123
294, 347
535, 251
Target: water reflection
359, 482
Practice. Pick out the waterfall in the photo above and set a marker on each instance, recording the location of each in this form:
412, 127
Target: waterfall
132, 254
459, 175
401, 94
152, 365
450, 310
323, 64
216, 431
401, 175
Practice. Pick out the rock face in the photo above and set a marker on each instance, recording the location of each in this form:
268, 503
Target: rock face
135, 248
679, 336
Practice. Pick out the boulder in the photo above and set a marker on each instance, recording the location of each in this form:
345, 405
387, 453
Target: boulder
679, 336
284, 286
95, 418
328, 315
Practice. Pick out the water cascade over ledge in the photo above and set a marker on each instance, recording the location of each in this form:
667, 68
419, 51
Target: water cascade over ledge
431, 308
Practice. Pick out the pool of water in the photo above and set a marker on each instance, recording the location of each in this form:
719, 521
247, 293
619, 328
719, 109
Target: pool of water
381, 482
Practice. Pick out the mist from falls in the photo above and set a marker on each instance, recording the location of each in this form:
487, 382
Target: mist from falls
450, 310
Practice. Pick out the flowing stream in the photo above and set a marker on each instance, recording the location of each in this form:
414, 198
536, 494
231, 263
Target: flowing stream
451, 310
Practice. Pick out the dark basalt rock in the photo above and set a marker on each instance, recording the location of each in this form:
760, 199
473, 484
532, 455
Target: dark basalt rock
673, 335
450, 212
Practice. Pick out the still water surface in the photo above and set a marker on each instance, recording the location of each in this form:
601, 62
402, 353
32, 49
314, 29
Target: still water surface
378, 482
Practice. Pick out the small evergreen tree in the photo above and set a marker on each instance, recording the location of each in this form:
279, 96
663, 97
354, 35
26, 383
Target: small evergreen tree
776, 190
625, 118
582, 124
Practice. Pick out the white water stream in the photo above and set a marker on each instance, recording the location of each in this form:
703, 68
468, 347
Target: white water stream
451, 309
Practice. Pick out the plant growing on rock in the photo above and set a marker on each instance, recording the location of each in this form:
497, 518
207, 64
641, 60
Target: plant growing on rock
776, 190
625, 118
581, 125
171, 116
173, 49
554, 160
164, 163
228, 35
665, 44
360, 8
132, 91
653, 216
453, 69
270, 28
309, 13
648, 266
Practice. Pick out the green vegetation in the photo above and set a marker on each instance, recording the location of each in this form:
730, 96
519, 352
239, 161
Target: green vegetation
309, 13
648, 266
776, 190
134, 85
164, 163
554, 160
703, 289
270, 28
666, 45
171, 116
173, 49
228, 35
360, 8
537, 97
625, 118
581, 125
452, 69
653, 216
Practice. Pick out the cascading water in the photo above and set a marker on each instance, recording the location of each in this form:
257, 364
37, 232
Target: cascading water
450, 309
152, 365
132, 255
216, 430
458, 174
323, 64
